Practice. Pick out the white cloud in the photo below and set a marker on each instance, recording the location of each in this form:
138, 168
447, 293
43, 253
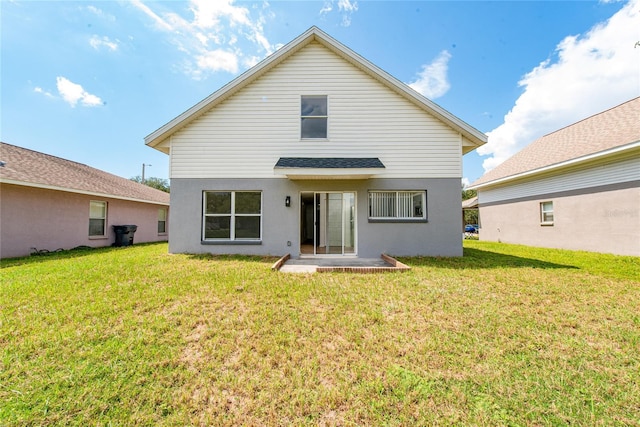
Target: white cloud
250, 61
97, 42
38, 89
217, 37
73, 93
161, 23
346, 7
217, 60
593, 72
99, 12
207, 13
432, 81
465, 182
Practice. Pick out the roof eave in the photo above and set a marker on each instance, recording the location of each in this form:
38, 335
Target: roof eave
549, 168
77, 191
330, 173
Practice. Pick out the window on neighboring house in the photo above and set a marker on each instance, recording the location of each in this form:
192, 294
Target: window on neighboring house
313, 114
398, 205
546, 213
232, 215
97, 219
162, 221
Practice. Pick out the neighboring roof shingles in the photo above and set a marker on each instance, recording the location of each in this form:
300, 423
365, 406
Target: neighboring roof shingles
609, 129
471, 203
42, 170
329, 162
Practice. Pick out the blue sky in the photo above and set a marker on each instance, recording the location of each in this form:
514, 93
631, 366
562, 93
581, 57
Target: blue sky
87, 81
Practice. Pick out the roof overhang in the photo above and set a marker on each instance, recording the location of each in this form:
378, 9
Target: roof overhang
328, 167
77, 191
471, 203
551, 168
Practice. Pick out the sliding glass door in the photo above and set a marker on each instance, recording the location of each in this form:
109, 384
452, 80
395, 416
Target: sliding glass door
336, 224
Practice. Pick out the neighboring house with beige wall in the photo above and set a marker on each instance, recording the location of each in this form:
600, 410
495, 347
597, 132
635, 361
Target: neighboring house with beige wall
49, 203
315, 151
576, 188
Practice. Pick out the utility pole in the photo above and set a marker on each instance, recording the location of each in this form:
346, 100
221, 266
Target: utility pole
143, 165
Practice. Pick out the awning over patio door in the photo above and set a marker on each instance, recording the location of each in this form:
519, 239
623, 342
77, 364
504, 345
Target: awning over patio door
328, 167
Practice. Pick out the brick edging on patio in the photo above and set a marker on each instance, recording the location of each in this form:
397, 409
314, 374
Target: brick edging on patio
278, 264
397, 264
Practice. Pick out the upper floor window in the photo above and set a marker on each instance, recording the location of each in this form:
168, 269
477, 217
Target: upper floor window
313, 116
397, 205
546, 213
97, 219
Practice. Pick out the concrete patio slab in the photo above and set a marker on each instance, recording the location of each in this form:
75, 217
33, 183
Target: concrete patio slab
345, 264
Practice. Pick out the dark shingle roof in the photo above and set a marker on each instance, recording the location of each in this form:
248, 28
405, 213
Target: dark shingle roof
329, 162
42, 170
609, 129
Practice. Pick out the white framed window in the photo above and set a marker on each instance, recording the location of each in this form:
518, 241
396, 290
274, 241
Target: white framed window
232, 215
546, 213
397, 205
162, 221
97, 218
313, 117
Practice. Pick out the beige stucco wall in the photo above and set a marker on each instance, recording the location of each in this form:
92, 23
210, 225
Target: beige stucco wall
49, 219
607, 221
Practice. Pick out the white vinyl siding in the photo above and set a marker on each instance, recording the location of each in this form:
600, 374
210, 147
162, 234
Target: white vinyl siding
245, 135
592, 174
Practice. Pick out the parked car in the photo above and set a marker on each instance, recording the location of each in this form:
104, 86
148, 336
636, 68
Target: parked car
471, 228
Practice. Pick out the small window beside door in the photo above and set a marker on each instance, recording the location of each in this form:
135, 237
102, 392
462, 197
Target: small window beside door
397, 205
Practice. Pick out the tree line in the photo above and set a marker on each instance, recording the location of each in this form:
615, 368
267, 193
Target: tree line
157, 183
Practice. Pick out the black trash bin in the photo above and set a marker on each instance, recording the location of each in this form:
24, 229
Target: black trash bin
124, 234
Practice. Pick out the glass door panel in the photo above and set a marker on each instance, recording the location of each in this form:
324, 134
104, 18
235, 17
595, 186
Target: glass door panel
335, 224
334, 227
349, 223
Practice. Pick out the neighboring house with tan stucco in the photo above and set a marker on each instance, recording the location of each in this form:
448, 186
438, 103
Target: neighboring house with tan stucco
49, 203
576, 188
315, 151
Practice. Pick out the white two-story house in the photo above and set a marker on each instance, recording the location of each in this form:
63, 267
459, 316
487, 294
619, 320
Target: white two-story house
316, 151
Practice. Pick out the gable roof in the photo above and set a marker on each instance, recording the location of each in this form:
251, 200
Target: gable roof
471, 203
21, 166
473, 138
605, 133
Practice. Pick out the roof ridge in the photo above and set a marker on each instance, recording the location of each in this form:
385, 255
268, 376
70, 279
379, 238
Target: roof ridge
46, 154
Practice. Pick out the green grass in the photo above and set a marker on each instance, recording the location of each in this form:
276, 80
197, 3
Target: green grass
507, 335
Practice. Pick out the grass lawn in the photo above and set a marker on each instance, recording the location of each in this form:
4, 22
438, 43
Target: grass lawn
507, 335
